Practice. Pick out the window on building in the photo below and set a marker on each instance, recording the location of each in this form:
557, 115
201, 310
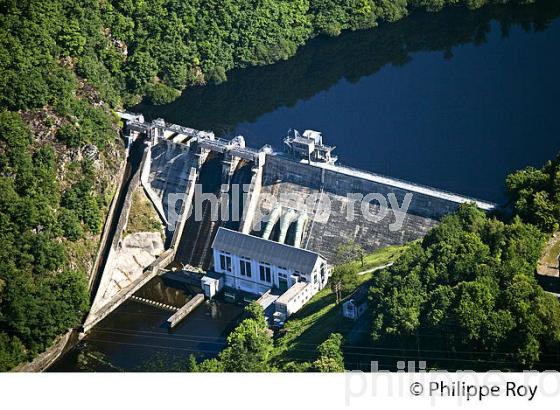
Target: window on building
323, 272
225, 262
264, 273
245, 267
282, 281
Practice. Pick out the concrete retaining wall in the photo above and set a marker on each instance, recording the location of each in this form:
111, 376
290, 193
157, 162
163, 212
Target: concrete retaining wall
48, 357
101, 297
182, 313
106, 226
118, 299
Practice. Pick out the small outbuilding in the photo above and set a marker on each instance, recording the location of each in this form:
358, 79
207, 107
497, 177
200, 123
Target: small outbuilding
356, 304
212, 283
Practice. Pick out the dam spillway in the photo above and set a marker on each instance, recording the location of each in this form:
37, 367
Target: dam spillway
198, 231
288, 181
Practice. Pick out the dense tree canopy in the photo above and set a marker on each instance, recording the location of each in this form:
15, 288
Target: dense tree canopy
535, 195
129, 49
250, 349
330, 355
471, 284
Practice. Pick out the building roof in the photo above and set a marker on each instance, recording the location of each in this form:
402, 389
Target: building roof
359, 296
292, 292
263, 250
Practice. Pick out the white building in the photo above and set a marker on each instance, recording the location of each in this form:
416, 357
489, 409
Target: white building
256, 265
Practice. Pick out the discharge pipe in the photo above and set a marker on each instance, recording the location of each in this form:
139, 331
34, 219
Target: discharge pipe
300, 225
285, 222
274, 216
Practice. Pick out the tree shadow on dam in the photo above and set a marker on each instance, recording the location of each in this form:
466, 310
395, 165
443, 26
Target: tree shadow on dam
251, 92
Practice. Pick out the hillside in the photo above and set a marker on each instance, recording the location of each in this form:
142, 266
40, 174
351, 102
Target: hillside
65, 65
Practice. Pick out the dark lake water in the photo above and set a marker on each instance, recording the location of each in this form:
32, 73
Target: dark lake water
456, 99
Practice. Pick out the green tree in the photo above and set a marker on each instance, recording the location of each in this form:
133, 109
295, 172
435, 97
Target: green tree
330, 355
349, 251
535, 195
343, 280
12, 352
70, 135
249, 347
471, 282
162, 94
70, 224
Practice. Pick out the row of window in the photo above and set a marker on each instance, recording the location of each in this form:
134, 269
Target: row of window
245, 268
225, 262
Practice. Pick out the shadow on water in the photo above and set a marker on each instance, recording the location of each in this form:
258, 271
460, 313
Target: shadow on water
251, 92
136, 336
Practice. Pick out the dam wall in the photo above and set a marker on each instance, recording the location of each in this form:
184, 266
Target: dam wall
282, 186
167, 172
293, 182
316, 205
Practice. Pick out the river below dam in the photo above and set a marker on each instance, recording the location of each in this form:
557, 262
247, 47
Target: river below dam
456, 100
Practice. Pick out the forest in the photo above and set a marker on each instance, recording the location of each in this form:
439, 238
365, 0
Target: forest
65, 65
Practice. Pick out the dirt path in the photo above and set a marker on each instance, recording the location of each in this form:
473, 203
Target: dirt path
548, 264
374, 269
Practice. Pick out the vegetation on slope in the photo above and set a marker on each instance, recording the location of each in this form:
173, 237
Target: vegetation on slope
250, 348
535, 195
57, 159
471, 287
321, 316
467, 290
143, 217
64, 64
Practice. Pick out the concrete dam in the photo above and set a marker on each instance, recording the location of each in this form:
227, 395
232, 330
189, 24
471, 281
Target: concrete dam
299, 197
289, 181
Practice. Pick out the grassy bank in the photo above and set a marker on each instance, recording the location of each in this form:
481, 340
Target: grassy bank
321, 316
143, 216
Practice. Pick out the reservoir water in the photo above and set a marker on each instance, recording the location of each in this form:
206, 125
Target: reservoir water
456, 100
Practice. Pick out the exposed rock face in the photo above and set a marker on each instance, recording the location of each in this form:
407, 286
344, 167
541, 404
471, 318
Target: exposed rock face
137, 251
90, 152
